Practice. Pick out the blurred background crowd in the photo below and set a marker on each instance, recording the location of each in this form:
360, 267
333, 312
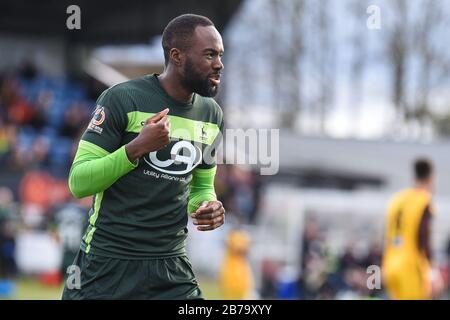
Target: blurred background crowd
354, 102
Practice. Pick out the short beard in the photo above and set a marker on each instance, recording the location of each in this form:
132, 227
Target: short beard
196, 83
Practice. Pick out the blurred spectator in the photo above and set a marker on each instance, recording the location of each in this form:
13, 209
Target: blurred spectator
269, 279
239, 190
327, 275
75, 121
348, 259
312, 264
39, 192
7, 140
27, 70
39, 119
287, 283
7, 234
374, 255
19, 111
70, 220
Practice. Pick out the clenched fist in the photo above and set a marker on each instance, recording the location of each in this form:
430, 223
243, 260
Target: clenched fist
209, 216
153, 136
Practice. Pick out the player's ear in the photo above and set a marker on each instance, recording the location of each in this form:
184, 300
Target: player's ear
176, 56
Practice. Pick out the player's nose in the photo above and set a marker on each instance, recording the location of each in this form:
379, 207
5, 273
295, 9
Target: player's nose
218, 65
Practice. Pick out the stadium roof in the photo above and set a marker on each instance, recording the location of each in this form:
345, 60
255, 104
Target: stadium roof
107, 21
387, 161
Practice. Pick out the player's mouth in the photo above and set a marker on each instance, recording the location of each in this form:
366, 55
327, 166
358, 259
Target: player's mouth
215, 79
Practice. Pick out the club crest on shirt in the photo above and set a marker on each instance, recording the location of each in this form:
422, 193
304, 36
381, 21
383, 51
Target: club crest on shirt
204, 134
97, 119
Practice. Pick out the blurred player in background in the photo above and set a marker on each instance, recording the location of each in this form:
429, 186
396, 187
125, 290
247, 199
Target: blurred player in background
407, 266
236, 277
148, 169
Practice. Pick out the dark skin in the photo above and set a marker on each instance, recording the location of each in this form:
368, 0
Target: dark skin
424, 234
204, 55
153, 136
209, 216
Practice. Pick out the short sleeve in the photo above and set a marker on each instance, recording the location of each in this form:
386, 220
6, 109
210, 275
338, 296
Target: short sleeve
108, 123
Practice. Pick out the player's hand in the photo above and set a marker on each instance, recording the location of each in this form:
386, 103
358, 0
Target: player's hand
209, 216
153, 136
437, 283
156, 131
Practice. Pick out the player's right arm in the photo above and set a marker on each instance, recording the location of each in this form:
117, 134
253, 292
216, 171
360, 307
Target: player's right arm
100, 159
94, 169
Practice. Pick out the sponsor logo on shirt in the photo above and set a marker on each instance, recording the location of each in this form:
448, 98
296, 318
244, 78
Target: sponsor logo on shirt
182, 158
97, 120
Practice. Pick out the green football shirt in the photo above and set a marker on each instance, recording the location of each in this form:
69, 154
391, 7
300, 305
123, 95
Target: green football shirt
143, 213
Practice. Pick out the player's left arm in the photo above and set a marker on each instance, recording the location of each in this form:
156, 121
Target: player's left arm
425, 233
437, 283
207, 212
